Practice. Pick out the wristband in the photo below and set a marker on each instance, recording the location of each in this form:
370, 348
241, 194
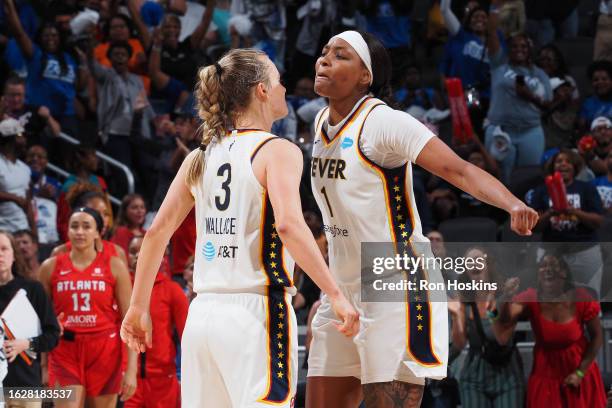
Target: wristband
580, 373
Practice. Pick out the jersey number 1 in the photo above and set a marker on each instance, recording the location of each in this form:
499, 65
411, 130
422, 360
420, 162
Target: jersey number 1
222, 205
331, 213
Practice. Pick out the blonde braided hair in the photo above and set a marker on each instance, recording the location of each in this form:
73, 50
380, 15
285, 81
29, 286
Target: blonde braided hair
223, 91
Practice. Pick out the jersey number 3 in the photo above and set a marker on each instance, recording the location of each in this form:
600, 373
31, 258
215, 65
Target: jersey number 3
224, 171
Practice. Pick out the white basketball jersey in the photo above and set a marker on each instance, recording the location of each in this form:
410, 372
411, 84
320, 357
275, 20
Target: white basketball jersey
364, 202
360, 201
237, 246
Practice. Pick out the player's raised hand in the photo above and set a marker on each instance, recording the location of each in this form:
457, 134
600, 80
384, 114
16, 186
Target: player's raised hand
347, 314
136, 329
523, 219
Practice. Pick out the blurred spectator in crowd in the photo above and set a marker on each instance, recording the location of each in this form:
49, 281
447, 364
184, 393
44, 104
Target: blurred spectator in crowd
595, 157
552, 61
52, 73
157, 382
577, 226
600, 104
546, 23
84, 165
119, 28
390, 22
178, 139
466, 54
220, 19
24, 358
43, 185
45, 193
411, 91
604, 185
564, 371
130, 220
492, 375
120, 95
27, 244
268, 23
188, 278
173, 64
34, 119
15, 196
559, 119
448, 201
515, 82
603, 35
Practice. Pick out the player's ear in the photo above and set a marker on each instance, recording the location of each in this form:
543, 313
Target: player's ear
364, 79
261, 92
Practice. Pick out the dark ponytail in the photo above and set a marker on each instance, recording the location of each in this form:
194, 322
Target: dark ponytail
381, 69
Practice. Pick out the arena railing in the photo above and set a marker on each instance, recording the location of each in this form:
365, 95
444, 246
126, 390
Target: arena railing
106, 159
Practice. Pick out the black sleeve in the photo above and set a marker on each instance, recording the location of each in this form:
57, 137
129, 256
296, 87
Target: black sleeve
48, 321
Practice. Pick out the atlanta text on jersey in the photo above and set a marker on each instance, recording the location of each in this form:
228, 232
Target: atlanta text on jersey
96, 285
330, 168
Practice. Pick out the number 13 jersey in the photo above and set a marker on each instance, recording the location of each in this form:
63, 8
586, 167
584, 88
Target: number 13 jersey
237, 246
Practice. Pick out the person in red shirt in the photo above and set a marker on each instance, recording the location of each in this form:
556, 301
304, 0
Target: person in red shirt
565, 372
182, 244
85, 286
158, 386
131, 219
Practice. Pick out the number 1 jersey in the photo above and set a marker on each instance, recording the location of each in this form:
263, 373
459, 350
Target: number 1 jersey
237, 247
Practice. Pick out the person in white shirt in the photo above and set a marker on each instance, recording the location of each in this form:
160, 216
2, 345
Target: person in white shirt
15, 203
603, 35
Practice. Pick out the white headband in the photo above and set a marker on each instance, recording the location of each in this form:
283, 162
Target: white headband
356, 41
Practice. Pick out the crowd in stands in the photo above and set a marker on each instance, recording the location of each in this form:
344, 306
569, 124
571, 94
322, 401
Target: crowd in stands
119, 76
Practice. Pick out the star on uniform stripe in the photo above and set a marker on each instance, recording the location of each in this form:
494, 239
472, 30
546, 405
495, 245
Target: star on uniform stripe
399, 217
404, 234
419, 317
420, 327
419, 307
402, 226
281, 354
280, 375
272, 254
273, 245
398, 198
275, 273
280, 365
279, 335
282, 315
280, 345
280, 305
280, 280
273, 264
396, 189
274, 235
280, 325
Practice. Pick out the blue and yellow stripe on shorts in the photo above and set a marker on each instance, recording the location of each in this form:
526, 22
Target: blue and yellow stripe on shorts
401, 224
278, 320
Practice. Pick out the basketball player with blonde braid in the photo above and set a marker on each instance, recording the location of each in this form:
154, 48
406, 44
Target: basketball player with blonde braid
244, 183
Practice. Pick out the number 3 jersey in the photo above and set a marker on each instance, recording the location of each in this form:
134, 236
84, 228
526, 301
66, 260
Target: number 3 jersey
86, 297
237, 246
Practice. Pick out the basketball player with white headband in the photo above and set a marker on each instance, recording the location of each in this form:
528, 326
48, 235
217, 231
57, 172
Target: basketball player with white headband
362, 181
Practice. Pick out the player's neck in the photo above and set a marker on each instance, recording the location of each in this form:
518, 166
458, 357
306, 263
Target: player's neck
254, 119
340, 108
81, 258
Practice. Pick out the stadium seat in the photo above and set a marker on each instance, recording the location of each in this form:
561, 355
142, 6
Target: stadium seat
525, 178
469, 229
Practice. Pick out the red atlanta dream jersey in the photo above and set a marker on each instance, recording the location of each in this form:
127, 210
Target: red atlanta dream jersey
87, 296
237, 246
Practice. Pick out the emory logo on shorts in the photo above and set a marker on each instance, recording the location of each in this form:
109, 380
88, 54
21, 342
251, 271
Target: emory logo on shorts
209, 251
